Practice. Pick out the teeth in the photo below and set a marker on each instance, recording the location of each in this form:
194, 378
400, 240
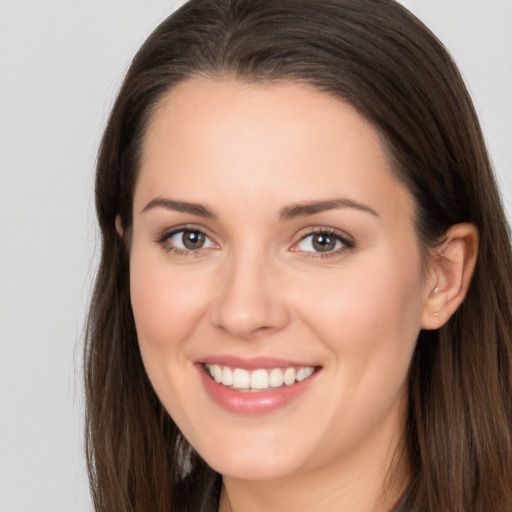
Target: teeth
289, 376
304, 373
276, 378
259, 379
241, 379
238, 378
217, 373
227, 376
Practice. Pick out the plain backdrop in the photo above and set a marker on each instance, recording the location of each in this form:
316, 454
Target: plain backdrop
61, 63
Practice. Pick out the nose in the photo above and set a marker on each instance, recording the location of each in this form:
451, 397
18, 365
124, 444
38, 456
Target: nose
249, 301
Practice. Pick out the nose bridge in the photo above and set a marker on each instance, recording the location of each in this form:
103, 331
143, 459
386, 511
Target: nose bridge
249, 301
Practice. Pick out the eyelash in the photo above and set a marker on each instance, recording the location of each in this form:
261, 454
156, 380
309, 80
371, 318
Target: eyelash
164, 238
346, 241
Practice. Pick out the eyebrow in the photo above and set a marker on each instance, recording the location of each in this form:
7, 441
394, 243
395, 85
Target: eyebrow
179, 206
287, 212
312, 207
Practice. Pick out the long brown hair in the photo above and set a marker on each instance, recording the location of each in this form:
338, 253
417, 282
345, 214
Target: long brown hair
379, 58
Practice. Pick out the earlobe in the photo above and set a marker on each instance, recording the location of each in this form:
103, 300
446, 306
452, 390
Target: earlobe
451, 268
119, 226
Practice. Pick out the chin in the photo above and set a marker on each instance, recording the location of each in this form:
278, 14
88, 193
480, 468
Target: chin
253, 470
255, 462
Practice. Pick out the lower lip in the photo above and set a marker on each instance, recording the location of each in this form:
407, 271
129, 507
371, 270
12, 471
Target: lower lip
252, 403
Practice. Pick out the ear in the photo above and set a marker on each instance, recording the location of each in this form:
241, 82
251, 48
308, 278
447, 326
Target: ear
119, 226
451, 269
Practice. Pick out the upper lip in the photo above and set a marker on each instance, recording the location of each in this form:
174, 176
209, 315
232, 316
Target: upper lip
254, 363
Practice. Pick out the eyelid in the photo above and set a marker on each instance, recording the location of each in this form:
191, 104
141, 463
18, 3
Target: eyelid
166, 234
346, 240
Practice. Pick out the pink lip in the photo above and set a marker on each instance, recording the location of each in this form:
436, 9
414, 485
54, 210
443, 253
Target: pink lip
253, 403
253, 363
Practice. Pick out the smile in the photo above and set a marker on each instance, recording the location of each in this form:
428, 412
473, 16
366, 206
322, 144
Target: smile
256, 380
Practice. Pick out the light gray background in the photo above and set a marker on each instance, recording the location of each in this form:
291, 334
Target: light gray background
61, 63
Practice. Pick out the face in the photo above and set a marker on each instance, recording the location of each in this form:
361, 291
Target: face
276, 280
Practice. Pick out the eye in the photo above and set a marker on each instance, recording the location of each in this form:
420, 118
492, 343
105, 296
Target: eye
187, 240
323, 242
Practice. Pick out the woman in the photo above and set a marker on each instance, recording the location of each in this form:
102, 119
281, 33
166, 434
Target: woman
304, 296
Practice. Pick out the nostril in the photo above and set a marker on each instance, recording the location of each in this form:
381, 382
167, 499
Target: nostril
250, 320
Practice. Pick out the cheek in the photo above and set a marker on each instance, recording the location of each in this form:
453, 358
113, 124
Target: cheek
370, 315
167, 304
369, 322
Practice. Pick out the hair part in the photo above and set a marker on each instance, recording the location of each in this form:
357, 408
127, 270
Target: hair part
377, 57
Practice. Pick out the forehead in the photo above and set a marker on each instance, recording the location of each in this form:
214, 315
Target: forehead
214, 137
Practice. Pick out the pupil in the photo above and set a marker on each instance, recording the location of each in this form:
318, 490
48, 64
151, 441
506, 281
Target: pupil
323, 243
193, 239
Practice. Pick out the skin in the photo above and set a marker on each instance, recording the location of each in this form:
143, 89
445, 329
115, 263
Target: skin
257, 287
